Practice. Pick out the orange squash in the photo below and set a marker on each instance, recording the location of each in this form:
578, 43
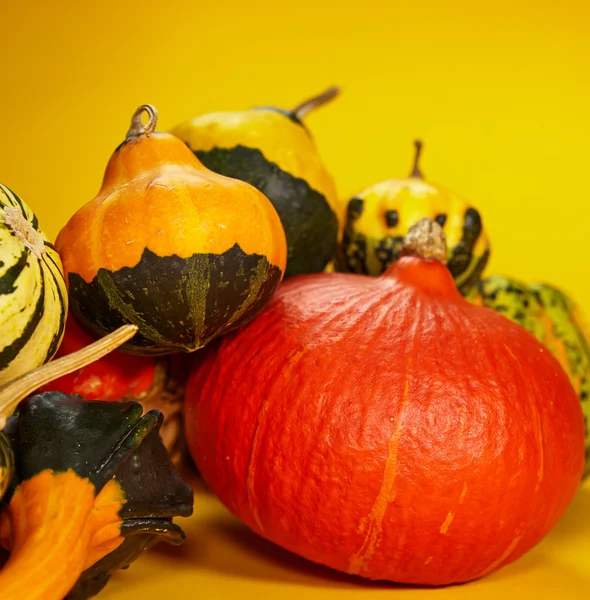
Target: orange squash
92, 488
167, 245
386, 427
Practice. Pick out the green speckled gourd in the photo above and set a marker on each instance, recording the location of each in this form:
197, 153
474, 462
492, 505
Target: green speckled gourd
555, 320
272, 149
379, 218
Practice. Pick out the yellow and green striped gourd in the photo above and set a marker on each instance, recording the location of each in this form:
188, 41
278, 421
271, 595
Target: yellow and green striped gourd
33, 295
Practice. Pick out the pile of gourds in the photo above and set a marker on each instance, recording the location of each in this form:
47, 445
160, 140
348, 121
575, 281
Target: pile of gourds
186, 243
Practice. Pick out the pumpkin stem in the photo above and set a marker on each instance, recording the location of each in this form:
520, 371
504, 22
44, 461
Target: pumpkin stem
311, 104
416, 172
426, 239
15, 391
137, 126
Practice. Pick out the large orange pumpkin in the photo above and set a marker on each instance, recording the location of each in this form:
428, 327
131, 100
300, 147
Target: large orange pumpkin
386, 427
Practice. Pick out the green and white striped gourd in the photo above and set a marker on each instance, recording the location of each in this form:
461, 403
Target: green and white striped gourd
33, 295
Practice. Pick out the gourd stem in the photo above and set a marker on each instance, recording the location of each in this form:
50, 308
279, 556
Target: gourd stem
137, 126
426, 239
15, 391
311, 104
416, 172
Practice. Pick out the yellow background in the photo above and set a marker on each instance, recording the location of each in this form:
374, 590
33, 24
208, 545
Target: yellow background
223, 560
499, 91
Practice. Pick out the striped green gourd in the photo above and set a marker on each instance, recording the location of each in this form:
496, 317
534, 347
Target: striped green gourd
33, 296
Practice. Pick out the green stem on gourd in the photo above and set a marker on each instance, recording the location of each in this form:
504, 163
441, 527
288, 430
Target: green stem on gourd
427, 239
15, 391
309, 105
416, 172
137, 126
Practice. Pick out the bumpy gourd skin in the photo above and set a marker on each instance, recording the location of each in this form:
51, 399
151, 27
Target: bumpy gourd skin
516, 301
272, 150
553, 318
378, 219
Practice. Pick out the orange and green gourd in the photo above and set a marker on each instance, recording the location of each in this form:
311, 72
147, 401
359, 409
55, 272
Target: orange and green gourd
378, 219
167, 245
273, 150
93, 486
555, 320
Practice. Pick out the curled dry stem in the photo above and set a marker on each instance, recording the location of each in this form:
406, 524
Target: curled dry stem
137, 126
309, 105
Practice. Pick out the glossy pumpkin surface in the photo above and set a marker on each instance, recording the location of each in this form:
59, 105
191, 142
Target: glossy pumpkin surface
273, 150
170, 246
33, 297
386, 427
